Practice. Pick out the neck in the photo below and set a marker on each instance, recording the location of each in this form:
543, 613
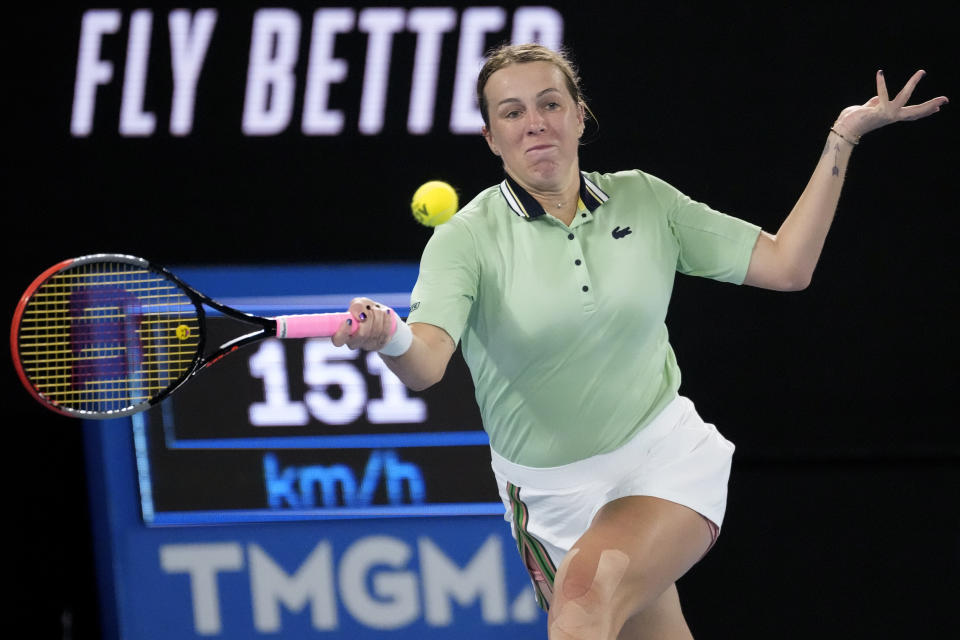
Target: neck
560, 203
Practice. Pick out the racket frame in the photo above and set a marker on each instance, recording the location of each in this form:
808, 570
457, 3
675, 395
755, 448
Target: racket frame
267, 329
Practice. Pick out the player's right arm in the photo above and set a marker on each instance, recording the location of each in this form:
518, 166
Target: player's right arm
424, 364
447, 287
420, 366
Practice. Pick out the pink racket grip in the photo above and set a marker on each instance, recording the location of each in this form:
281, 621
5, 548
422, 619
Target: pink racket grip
320, 325
312, 325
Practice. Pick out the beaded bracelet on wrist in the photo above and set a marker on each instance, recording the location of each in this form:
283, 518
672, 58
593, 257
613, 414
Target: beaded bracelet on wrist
845, 138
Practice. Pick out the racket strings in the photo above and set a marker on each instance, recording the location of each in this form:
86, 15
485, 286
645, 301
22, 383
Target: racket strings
106, 336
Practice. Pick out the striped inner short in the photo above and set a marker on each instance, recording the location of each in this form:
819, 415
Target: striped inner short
534, 555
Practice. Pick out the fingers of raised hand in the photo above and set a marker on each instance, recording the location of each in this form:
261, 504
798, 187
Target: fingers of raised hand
917, 111
882, 87
908, 88
880, 111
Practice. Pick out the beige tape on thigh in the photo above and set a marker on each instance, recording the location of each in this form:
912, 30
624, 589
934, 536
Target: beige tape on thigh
589, 617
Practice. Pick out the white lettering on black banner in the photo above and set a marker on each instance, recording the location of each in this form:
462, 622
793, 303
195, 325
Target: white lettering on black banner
278, 80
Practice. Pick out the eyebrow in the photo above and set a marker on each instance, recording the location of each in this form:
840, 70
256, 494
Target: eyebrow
542, 93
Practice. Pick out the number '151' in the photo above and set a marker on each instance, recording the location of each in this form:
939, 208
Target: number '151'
326, 366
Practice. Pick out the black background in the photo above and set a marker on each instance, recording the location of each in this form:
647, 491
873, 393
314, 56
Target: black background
843, 513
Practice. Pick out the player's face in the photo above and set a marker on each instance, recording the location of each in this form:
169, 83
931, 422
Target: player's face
535, 125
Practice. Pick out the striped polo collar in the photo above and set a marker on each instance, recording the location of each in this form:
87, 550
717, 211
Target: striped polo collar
526, 206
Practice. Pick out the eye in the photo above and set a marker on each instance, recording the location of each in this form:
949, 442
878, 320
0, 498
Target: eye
552, 106
513, 114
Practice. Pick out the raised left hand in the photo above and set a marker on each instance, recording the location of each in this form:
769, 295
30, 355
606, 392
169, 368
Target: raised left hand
880, 111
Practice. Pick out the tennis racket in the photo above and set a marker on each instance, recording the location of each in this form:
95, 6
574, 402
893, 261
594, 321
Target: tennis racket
107, 335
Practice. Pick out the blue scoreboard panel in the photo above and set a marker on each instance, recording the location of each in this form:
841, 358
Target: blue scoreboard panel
300, 429
299, 489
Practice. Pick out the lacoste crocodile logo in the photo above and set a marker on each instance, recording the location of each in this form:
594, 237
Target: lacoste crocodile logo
618, 233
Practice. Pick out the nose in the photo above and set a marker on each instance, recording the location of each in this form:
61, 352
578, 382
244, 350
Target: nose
535, 122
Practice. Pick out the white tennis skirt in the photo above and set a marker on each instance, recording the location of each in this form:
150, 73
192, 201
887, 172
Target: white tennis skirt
676, 457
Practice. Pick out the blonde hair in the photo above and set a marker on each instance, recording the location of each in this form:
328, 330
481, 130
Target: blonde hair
508, 54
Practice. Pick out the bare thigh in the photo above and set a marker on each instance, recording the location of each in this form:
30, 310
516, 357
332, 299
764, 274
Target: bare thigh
650, 541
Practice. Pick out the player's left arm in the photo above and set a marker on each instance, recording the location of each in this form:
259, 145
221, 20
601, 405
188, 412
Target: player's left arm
786, 261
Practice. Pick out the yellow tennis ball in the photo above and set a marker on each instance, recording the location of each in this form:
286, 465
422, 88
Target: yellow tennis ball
434, 203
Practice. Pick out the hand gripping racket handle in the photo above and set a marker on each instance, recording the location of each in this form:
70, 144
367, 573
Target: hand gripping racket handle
319, 325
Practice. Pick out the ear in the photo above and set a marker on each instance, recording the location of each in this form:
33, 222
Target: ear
581, 118
489, 138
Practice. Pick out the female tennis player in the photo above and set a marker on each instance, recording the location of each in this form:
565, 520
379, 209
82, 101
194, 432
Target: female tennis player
555, 283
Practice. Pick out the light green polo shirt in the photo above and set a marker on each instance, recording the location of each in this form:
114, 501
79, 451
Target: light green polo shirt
563, 327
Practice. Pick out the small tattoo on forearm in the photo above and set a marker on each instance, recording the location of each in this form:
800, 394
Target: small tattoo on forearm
836, 160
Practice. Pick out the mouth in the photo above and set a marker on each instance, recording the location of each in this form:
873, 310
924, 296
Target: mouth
540, 147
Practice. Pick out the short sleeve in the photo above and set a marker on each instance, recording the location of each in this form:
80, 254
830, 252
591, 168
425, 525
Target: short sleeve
448, 281
712, 244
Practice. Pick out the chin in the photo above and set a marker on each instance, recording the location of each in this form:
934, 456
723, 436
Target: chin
552, 180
